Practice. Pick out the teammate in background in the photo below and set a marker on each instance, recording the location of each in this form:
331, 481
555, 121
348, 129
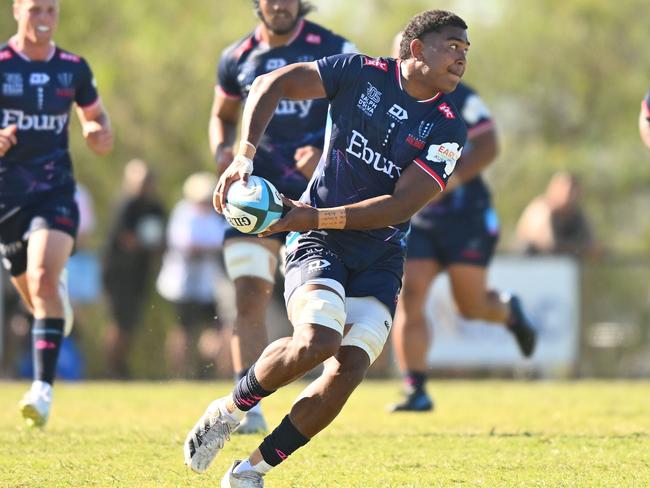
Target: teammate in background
287, 156
38, 213
644, 120
457, 233
392, 142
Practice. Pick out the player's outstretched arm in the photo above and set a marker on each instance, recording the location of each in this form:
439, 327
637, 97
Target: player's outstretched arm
298, 81
413, 191
222, 129
96, 128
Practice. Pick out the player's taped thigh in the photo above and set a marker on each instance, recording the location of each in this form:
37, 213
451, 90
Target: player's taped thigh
318, 306
370, 322
249, 259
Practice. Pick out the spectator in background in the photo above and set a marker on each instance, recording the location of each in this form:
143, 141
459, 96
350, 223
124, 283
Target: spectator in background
135, 240
190, 270
644, 120
554, 223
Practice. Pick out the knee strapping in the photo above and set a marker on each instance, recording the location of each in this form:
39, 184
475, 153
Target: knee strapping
319, 306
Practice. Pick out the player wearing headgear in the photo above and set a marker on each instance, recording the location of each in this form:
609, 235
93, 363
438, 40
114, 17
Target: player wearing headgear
644, 120
286, 156
38, 215
457, 232
392, 143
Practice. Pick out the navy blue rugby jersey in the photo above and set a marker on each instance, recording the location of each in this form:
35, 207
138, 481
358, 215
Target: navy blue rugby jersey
37, 96
376, 130
473, 194
296, 123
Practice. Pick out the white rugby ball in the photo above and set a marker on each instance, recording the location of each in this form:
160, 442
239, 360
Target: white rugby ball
253, 207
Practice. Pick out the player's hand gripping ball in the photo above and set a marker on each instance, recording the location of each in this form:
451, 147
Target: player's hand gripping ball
253, 207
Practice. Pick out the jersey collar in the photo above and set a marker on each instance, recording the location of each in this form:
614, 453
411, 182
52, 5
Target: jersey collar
12, 45
296, 34
398, 75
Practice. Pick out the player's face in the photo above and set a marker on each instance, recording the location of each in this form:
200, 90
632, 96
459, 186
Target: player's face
444, 55
37, 19
280, 16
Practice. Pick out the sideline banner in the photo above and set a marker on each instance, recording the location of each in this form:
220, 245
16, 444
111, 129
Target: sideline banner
549, 289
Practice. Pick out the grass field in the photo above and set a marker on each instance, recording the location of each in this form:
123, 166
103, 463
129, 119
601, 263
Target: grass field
483, 433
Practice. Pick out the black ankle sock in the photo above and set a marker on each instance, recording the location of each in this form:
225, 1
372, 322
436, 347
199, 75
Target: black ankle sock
415, 380
248, 392
282, 442
47, 336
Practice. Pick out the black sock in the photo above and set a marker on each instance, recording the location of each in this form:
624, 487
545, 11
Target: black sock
415, 380
47, 336
248, 392
282, 442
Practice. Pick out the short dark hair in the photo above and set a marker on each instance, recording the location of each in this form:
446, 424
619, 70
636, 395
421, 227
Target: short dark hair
421, 24
305, 8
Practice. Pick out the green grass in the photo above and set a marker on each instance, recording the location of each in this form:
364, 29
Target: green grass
486, 434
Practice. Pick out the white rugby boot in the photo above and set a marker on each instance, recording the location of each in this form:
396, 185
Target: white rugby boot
253, 423
35, 405
68, 312
245, 479
209, 435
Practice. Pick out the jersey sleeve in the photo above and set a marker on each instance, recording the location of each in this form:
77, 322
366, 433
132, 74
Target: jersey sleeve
86, 90
339, 71
442, 151
227, 76
476, 115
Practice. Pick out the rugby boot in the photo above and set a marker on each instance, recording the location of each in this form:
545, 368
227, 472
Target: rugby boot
521, 328
245, 479
35, 405
209, 435
416, 401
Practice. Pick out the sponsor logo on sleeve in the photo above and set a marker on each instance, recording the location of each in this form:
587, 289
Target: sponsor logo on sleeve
446, 153
446, 111
368, 101
312, 38
376, 63
69, 57
5, 55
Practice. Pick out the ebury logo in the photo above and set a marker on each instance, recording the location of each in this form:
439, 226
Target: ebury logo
398, 113
294, 107
318, 264
39, 79
39, 122
447, 153
358, 147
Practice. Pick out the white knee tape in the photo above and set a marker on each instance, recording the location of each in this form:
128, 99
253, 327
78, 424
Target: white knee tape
249, 259
322, 307
370, 322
